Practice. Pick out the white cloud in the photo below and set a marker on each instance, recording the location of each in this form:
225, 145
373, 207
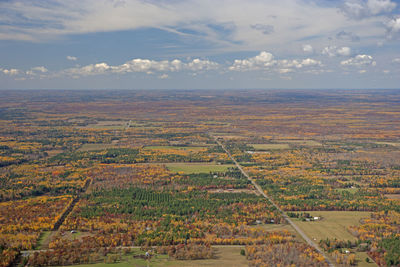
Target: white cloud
35, 70
354, 9
308, 48
266, 61
283, 71
344, 51
262, 60
393, 27
72, 58
359, 9
200, 65
40, 69
380, 6
329, 51
163, 76
11, 72
144, 65
311, 62
227, 25
359, 61
396, 60
333, 51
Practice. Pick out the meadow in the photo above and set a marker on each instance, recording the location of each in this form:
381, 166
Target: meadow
189, 168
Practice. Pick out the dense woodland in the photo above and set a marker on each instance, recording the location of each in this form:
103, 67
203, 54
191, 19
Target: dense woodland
112, 167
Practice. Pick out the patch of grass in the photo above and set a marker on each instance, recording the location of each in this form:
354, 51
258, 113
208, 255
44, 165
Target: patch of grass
269, 146
43, 236
302, 142
361, 256
350, 190
333, 224
274, 227
225, 256
189, 168
392, 196
186, 148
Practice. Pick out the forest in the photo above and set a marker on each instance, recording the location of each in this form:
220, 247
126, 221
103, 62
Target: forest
175, 178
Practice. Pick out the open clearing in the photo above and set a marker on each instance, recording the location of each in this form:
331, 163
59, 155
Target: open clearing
350, 190
44, 236
388, 143
392, 196
269, 146
275, 227
185, 148
285, 144
361, 256
302, 142
333, 224
225, 256
189, 168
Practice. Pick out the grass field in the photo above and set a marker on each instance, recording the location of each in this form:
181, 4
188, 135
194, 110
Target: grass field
302, 142
360, 257
333, 224
269, 146
43, 236
197, 167
392, 196
186, 148
225, 256
350, 190
388, 143
275, 227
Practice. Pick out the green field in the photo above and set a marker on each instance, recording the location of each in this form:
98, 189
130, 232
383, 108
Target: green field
269, 146
197, 167
275, 227
43, 236
360, 257
302, 142
225, 256
350, 190
187, 148
332, 225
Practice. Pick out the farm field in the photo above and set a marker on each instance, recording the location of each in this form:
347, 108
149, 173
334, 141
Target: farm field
332, 225
79, 184
186, 148
269, 146
224, 256
302, 142
189, 168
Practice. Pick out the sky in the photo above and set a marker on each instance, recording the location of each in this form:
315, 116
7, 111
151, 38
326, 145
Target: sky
196, 44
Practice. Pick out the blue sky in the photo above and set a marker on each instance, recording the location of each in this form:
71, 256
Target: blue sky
189, 44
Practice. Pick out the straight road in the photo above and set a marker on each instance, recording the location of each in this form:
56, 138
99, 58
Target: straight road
287, 218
